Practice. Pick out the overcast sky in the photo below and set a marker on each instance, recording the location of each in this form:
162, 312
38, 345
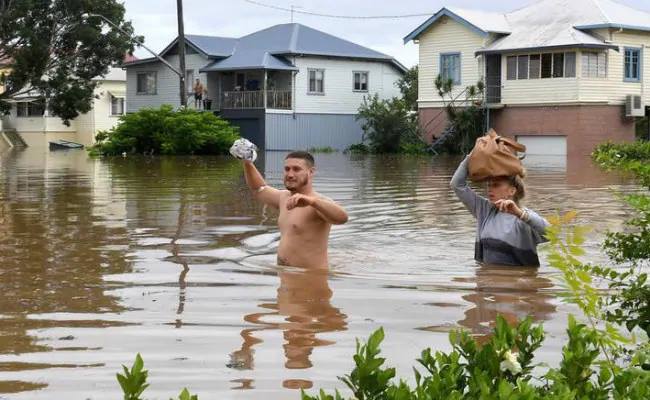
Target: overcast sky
156, 19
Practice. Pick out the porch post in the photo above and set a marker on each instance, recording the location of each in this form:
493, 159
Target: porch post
265, 94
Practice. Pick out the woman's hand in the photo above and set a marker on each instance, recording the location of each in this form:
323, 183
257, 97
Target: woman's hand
508, 206
300, 200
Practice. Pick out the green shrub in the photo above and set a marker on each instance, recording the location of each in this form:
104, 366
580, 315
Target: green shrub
389, 126
499, 369
167, 131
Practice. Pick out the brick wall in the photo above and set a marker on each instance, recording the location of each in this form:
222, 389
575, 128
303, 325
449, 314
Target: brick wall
585, 126
432, 122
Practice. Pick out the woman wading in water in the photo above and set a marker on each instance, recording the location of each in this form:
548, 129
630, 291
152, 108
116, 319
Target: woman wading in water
507, 234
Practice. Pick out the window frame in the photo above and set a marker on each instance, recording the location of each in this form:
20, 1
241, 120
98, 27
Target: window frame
189, 83
29, 110
316, 92
155, 83
460, 64
597, 55
354, 89
111, 114
639, 52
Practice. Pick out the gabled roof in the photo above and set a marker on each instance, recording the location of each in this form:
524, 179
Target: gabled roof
481, 22
268, 49
547, 24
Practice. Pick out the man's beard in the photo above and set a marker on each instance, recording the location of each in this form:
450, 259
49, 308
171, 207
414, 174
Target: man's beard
297, 184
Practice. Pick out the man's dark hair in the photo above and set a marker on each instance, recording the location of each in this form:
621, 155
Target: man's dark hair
303, 155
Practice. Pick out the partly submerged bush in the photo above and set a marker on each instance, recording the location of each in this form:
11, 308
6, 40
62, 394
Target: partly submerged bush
167, 131
389, 126
500, 369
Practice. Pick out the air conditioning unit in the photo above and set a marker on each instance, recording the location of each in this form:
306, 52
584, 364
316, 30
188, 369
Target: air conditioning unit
634, 106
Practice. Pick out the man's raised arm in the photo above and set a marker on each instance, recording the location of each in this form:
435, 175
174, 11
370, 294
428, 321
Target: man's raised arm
267, 195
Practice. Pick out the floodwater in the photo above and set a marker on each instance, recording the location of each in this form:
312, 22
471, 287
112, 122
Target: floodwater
170, 258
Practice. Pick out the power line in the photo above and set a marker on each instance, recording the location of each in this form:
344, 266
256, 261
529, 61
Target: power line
315, 14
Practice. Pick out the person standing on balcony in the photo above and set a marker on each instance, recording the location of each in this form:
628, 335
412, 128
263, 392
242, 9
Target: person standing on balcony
305, 216
198, 94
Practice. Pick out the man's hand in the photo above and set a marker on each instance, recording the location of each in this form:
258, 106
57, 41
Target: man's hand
508, 206
300, 200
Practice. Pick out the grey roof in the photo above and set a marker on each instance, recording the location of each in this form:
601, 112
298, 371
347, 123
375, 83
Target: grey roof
268, 48
546, 24
213, 46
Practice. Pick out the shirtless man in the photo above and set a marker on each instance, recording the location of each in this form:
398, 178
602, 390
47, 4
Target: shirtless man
305, 216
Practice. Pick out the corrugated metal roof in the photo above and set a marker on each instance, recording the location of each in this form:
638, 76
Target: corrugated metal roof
265, 48
548, 23
249, 60
213, 46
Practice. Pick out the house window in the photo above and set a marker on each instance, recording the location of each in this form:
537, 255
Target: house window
146, 83
534, 66
632, 65
570, 65
117, 105
360, 81
558, 65
316, 81
30, 109
547, 65
450, 67
594, 64
511, 68
522, 67
189, 80
240, 81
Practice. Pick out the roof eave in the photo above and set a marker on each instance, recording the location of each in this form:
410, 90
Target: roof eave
386, 59
542, 48
138, 62
238, 68
444, 12
613, 25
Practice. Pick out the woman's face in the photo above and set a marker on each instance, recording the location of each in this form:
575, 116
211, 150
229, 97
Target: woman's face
500, 189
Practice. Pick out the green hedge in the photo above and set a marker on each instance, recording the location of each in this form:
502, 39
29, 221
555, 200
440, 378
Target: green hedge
167, 131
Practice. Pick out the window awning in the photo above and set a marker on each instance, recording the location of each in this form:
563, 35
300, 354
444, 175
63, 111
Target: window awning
120, 94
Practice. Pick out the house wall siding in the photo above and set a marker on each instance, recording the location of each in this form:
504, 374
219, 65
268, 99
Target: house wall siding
613, 89
447, 36
339, 97
284, 131
167, 84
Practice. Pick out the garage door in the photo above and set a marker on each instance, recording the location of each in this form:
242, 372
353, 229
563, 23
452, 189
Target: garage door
544, 145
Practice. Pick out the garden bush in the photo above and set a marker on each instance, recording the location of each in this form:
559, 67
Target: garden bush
167, 131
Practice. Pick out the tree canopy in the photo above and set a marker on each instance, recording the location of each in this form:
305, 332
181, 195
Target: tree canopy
52, 49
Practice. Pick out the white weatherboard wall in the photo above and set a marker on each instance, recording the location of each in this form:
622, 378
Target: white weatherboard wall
167, 83
339, 96
447, 36
613, 89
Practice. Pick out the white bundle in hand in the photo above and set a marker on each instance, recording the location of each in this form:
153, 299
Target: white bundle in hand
244, 150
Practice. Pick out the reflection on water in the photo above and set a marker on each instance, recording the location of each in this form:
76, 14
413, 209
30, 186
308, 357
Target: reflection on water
170, 257
302, 310
512, 292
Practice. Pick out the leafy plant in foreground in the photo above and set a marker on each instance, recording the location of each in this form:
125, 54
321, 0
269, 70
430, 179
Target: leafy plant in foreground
134, 381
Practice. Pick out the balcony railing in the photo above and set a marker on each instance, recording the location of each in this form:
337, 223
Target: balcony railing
278, 99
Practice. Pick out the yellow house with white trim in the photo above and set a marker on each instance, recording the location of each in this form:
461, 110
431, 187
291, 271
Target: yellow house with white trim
560, 75
30, 118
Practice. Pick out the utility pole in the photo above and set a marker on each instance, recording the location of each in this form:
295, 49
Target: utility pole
181, 52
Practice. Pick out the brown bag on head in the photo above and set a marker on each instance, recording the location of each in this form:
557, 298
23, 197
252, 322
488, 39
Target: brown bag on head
494, 155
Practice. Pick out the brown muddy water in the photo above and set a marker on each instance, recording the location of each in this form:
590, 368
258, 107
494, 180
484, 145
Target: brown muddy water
170, 257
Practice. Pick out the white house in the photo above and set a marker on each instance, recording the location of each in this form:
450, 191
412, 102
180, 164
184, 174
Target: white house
30, 118
560, 75
287, 87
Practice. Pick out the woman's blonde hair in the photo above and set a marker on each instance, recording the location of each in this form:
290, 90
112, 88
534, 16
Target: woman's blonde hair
517, 182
